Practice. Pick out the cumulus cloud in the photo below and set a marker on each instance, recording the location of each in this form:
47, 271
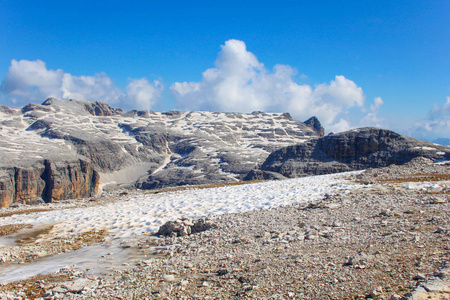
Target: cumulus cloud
436, 125
372, 118
31, 81
143, 93
239, 82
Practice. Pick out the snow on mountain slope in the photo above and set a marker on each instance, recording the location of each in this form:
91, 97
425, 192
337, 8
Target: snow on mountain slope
175, 147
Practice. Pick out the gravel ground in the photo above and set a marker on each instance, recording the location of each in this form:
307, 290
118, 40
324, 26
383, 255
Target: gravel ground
388, 240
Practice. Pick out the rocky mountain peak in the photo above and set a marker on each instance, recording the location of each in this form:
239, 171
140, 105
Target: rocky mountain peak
314, 123
96, 108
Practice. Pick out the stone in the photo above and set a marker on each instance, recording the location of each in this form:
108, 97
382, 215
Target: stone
169, 278
360, 260
419, 276
376, 292
178, 228
77, 285
222, 272
201, 225
438, 201
441, 230
59, 289
311, 236
186, 230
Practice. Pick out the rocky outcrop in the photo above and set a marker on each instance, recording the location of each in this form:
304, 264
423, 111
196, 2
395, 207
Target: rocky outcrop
351, 150
263, 175
314, 123
102, 109
96, 108
48, 181
71, 180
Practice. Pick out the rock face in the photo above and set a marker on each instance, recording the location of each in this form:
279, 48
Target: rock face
48, 181
314, 123
352, 150
70, 149
206, 147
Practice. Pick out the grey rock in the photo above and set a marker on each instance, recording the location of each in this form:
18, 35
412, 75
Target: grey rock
263, 175
170, 278
315, 124
78, 285
360, 259
183, 228
201, 225
376, 292
419, 276
351, 150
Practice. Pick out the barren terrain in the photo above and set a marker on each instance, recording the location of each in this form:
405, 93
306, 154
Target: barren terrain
385, 236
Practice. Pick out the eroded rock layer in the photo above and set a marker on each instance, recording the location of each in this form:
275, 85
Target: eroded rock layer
347, 151
48, 181
53, 150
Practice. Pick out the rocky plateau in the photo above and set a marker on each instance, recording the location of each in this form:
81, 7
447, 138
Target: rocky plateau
73, 149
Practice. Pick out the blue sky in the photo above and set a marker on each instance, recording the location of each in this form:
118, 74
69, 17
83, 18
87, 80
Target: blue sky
352, 63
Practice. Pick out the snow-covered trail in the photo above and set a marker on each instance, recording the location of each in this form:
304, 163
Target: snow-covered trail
139, 215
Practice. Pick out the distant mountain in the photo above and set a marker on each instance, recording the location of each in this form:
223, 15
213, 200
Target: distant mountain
442, 141
71, 149
356, 149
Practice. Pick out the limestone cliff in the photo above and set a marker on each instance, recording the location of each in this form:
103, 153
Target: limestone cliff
347, 151
48, 181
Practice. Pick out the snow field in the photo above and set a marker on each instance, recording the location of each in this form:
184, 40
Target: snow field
144, 214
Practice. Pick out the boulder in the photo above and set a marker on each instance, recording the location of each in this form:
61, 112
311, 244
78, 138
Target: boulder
183, 227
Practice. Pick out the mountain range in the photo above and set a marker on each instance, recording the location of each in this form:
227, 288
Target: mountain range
74, 149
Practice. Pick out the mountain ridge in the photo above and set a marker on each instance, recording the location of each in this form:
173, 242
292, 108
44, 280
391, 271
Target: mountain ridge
72, 149
154, 149
351, 150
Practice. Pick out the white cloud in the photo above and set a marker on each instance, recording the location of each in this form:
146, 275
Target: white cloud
377, 102
438, 113
436, 125
144, 94
97, 87
342, 125
372, 118
239, 82
31, 81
